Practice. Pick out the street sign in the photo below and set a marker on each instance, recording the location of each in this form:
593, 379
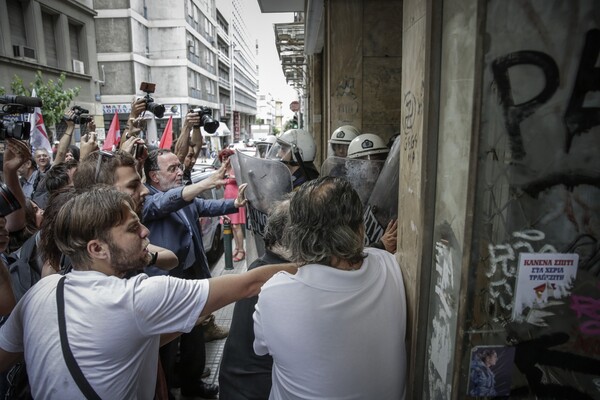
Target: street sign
295, 106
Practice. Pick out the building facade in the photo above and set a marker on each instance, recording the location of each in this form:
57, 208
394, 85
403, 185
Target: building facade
53, 37
498, 176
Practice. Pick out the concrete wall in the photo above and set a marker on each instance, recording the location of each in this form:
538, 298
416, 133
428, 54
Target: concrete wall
114, 35
417, 168
363, 66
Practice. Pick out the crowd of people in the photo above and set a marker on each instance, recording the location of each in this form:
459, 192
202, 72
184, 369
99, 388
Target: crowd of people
106, 290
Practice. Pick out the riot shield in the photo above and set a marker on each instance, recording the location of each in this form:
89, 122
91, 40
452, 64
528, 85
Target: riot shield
362, 174
268, 181
382, 205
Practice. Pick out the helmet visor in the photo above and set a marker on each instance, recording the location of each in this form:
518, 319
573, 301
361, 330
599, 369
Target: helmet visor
280, 151
337, 150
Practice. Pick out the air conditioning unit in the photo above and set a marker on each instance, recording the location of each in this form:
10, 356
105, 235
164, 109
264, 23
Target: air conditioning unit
78, 66
21, 51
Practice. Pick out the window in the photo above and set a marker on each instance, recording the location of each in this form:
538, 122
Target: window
49, 23
74, 34
16, 21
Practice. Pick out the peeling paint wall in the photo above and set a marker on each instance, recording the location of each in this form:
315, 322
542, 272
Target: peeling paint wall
538, 191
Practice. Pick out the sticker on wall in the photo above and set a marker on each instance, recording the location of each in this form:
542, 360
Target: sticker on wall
490, 371
543, 279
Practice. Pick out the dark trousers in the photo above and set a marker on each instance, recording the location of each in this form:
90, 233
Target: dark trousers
192, 354
192, 358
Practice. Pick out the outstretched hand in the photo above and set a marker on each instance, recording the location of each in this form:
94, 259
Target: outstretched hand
241, 200
88, 144
16, 154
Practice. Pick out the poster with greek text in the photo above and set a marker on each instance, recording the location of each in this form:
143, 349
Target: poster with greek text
543, 279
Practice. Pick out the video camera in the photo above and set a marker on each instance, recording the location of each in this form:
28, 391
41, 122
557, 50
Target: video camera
206, 120
13, 106
157, 109
81, 116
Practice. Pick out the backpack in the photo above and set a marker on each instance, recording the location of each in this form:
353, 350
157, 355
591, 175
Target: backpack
24, 273
23, 267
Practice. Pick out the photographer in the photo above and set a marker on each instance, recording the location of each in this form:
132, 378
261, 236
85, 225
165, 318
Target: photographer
71, 117
185, 150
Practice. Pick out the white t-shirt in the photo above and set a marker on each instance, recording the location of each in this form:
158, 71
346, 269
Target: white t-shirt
113, 326
335, 334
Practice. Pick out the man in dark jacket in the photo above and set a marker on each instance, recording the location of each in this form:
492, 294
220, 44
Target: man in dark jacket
243, 375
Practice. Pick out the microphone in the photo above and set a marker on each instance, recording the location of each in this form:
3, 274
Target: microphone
22, 100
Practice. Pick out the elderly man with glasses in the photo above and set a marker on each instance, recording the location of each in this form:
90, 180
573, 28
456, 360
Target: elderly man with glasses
172, 213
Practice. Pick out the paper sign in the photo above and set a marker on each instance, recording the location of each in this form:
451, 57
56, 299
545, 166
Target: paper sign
542, 277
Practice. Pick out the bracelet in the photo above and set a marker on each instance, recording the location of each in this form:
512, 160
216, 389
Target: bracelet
154, 258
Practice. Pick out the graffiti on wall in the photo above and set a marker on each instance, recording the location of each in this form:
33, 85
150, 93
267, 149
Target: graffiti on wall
443, 309
539, 178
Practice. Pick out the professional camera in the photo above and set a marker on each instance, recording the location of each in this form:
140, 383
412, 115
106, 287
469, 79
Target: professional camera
209, 124
81, 116
8, 201
14, 108
157, 109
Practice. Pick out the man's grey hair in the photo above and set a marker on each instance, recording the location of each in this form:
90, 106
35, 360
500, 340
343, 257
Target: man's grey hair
277, 221
326, 221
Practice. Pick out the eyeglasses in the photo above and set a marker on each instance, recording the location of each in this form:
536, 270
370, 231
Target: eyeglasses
173, 168
101, 154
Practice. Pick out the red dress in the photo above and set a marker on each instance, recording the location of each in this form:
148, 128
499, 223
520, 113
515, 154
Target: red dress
231, 192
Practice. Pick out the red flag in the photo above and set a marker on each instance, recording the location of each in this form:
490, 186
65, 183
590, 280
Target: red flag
38, 136
114, 134
166, 140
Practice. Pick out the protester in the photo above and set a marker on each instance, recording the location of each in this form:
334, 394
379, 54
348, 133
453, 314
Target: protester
118, 170
29, 177
243, 374
238, 218
42, 159
344, 311
172, 213
102, 234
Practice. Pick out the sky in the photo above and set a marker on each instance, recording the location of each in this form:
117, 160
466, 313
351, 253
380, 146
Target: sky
271, 78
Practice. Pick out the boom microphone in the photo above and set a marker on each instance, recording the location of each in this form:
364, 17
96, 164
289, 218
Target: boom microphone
22, 100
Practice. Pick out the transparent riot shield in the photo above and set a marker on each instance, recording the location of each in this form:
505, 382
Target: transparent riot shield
362, 174
382, 205
334, 166
268, 181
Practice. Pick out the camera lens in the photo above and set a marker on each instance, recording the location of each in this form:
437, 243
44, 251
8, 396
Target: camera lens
8, 201
157, 109
210, 125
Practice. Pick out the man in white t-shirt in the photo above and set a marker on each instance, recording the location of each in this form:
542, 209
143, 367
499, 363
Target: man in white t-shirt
336, 328
114, 325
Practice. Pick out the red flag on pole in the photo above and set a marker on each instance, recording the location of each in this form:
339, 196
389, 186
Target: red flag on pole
166, 140
114, 134
38, 136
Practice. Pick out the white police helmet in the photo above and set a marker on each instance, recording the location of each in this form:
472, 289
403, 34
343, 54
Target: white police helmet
292, 141
344, 135
366, 145
263, 145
